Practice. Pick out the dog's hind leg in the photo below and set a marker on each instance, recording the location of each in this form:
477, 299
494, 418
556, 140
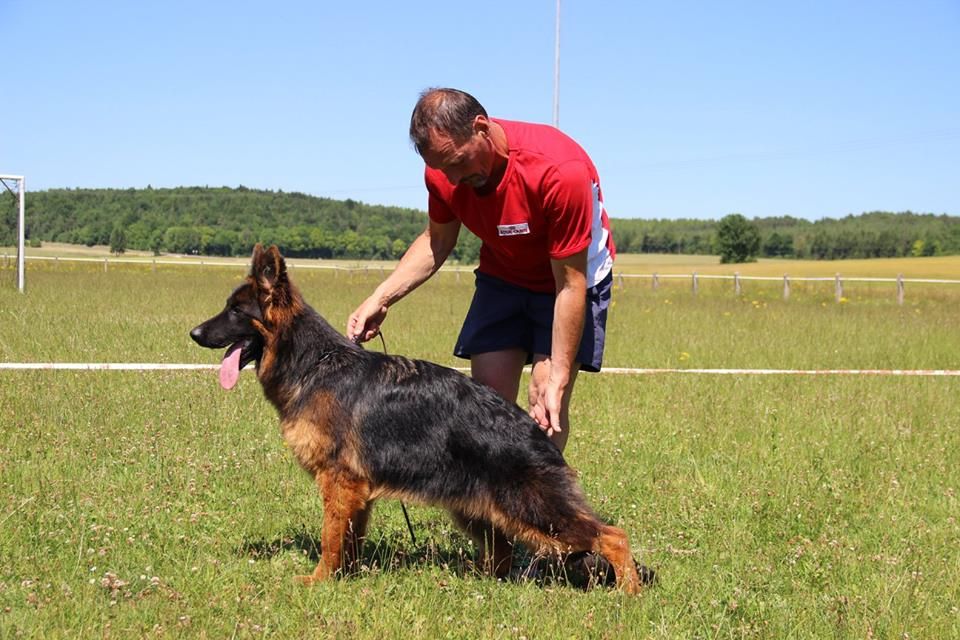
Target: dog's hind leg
580, 531
345, 512
613, 545
552, 517
496, 552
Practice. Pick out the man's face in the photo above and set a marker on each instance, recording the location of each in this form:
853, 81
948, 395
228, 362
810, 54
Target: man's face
469, 162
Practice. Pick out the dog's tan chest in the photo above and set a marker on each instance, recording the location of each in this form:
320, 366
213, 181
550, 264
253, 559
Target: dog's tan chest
320, 435
312, 446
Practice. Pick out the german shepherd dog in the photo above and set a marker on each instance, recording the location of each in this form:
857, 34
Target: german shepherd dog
367, 425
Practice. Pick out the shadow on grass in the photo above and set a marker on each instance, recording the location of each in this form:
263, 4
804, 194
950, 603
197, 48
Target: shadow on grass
301, 541
385, 554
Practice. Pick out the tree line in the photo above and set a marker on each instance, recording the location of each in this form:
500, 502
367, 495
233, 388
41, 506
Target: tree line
220, 221
229, 221
876, 234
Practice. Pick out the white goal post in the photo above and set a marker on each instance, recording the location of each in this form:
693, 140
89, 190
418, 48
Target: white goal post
18, 180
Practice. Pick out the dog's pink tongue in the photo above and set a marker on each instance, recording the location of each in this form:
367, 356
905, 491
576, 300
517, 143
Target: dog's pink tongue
230, 369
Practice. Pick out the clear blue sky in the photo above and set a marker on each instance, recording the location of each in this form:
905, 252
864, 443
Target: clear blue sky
689, 109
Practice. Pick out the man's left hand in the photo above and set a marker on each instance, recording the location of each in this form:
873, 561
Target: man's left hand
546, 410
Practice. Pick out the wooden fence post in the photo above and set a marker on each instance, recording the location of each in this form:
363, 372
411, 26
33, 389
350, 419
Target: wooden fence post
104, 265
656, 281
695, 285
620, 280
838, 288
786, 287
900, 289
736, 282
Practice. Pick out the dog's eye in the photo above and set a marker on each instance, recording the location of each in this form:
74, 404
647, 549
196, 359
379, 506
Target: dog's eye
235, 311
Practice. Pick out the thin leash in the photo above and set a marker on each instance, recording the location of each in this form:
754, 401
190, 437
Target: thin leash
403, 507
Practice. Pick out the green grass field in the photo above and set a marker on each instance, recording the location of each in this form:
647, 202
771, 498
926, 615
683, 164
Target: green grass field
154, 504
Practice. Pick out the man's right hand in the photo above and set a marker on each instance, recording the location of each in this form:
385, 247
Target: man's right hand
422, 259
364, 323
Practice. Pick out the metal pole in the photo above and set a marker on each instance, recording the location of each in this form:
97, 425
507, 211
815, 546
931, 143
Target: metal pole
20, 245
556, 71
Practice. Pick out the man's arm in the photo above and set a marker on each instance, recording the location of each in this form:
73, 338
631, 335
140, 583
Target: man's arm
568, 318
424, 257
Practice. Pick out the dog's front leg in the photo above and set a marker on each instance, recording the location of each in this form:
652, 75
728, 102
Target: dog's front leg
345, 500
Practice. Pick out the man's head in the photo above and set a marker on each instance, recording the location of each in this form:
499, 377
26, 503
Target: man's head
452, 133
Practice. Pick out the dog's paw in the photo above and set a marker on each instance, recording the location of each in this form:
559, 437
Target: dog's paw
648, 576
307, 581
588, 570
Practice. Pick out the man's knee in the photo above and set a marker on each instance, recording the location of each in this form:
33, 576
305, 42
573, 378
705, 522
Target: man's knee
499, 370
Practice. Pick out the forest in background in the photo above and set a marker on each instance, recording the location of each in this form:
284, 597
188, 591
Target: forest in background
228, 221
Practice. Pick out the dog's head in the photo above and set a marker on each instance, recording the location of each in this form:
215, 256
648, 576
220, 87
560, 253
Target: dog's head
251, 315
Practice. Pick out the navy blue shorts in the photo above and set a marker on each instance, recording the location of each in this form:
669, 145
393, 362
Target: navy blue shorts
504, 316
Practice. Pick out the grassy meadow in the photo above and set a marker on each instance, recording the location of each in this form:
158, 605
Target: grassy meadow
154, 504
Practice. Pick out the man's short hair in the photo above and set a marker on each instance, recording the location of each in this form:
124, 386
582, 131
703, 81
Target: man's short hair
448, 111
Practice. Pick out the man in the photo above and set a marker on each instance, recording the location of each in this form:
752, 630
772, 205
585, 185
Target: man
532, 196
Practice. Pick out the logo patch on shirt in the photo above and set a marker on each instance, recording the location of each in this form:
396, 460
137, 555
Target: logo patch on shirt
513, 229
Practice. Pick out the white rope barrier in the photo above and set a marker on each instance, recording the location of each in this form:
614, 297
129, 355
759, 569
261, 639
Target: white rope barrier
208, 261
791, 372
104, 366
141, 366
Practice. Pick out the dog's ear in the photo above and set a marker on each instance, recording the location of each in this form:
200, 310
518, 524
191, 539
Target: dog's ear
269, 268
257, 252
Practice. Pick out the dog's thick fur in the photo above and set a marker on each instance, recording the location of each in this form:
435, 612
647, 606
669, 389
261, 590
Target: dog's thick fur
366, 426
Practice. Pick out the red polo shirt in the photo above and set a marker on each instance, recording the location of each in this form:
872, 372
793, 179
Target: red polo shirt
548, 205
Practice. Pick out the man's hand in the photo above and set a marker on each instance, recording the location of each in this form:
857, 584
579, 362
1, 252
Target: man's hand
364, 323
553, 376
546, 409
422, 259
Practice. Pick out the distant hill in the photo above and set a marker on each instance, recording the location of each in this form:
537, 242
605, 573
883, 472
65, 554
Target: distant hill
228, 221
219, 221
